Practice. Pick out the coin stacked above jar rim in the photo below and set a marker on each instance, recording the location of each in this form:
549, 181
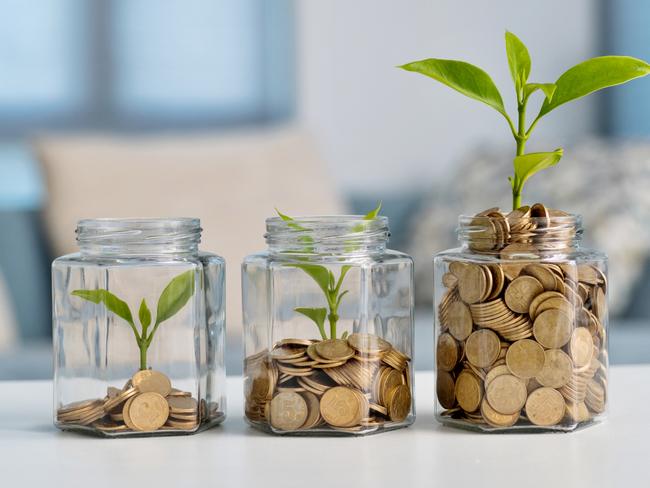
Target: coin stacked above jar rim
146, 403
356, 384
522, 341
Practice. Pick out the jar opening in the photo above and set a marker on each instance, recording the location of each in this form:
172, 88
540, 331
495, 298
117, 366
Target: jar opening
139, 236
520, 236
327, 235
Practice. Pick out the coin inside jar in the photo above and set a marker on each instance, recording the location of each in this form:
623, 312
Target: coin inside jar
147, 380
545, 406
460, 320
552, 328
148, 411
507, 394
521, 292
469, 391
525, 358
557, 370
482, 348
581, 347
445, 389
447, 352
288, 411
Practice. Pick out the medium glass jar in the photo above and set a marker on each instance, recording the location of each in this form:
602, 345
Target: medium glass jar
328, 329
138, 324
521, 324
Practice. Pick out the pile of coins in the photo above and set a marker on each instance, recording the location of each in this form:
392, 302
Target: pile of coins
146, 403
521, 341
356, 384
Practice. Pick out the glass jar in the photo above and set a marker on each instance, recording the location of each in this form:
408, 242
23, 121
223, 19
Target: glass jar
138, 324
328, 329
521, 324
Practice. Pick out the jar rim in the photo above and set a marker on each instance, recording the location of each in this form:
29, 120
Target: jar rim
142, 236
327, 234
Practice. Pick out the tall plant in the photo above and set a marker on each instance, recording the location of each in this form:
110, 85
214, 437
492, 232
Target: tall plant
578, 81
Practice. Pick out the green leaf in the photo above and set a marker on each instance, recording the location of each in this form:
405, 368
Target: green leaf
518, 60
291, 221
318, 315
592, 75
340, 297
547, 88
462, 77
372, 215
320, 274
175, 296
529, 164
144, 314
113, 303
344, 335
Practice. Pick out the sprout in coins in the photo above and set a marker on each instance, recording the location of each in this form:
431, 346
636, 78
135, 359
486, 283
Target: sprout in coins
578, 81
324, 278
172, 299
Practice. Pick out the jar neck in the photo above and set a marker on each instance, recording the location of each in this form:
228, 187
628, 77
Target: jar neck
520, 235
346, 235
139, 237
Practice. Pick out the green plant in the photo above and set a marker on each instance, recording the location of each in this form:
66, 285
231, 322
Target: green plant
172, 299
329, 284
578, 81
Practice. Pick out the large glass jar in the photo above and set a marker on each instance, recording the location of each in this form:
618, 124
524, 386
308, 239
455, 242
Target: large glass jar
328, 329
521, 324
138, 323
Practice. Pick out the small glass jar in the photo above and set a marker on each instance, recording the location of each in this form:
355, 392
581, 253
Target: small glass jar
138, 325
328, 329
521, 324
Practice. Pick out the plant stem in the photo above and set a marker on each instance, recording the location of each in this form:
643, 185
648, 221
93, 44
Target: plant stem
520, 138
143, 353
333, 318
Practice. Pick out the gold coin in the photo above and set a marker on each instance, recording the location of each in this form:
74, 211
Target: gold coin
445, 390
521, 292
368, 343
288, 411
581, 347
561, 304
334, 349
283, 353
79, 406
557, 369
537, 301
471, 283
496, 419
182, 404
468, 391
179, 393
552, 328
599, 303
400, 403
180, 424
109, 426
494, 372
525, 358
148, 380
545, 407
482, 348
447, 352
341, 407
541, 273
115, 402
313, 410
148, 411
449, 280
125, 414
459, 321
506, 394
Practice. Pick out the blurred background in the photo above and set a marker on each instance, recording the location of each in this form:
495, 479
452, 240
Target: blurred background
223, 109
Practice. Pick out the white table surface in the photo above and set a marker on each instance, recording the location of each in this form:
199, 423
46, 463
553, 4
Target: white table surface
613, 454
